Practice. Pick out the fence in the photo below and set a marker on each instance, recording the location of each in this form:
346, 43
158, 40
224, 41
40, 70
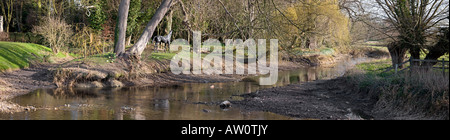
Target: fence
443, 66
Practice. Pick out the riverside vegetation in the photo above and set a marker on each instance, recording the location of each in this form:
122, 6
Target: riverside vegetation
406, 95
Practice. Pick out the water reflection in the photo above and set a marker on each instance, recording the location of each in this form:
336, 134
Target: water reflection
136, 103
179, 102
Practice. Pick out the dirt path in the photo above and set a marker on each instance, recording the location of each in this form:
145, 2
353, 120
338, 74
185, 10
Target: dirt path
323, 99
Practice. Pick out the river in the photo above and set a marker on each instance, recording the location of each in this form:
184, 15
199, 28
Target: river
187, 101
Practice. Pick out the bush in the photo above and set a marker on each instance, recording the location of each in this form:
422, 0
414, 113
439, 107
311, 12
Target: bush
88, 41
56, 33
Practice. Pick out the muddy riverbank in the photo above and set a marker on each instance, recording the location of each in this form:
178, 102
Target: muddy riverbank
323, 99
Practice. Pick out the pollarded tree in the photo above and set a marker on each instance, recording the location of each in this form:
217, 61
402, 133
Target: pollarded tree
414, 21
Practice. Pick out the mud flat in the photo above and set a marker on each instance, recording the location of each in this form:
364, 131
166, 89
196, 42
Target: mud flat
323, 99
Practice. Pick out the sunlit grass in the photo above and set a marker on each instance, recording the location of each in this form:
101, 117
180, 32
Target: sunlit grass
19, 55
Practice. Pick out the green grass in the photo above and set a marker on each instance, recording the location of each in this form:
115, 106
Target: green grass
376, 68
327, 51
168, 56
19, 55
445, 57
162, 56
321, 51
98, 59
374, 43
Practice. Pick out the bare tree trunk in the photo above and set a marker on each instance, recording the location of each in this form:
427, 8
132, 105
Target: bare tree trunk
19, 15
140, 45
235, 21
397, 53
121, 28
251, 17
169, 22
440, 48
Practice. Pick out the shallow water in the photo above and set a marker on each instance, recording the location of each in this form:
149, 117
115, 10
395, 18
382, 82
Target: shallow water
188, 101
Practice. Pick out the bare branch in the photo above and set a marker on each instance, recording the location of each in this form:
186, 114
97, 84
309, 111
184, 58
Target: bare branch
234, 20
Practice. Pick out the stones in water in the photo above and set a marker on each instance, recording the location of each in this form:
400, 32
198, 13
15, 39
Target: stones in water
225, 104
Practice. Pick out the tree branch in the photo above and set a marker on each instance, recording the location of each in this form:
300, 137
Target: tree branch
234, 20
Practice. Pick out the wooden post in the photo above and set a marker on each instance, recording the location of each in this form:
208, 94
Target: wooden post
1, 24
443, 66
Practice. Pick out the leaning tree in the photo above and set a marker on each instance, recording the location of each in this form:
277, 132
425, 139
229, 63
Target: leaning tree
139, 46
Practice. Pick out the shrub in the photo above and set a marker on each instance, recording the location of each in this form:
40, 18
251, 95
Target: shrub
56, 33
88, 41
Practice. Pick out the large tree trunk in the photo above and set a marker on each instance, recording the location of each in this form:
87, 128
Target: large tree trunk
397, 53
415, 54
439, 49
121, 28
140, 45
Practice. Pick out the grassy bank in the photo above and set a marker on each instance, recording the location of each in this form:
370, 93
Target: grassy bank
415, 95
19, 55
